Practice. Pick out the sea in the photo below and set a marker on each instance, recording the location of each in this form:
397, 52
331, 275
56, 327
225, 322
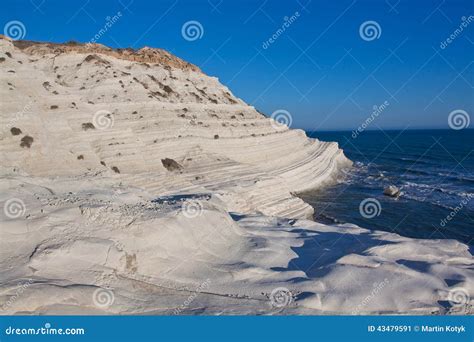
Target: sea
434, 169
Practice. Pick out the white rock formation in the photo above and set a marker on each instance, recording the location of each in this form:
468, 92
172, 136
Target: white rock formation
97, 219
392, 191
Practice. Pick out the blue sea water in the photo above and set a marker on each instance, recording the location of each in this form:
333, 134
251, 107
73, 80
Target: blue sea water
433, 168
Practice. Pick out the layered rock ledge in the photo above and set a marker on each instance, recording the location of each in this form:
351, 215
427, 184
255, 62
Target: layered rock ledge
132, 183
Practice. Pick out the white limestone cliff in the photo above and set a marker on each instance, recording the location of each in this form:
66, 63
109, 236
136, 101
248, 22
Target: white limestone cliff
136, 177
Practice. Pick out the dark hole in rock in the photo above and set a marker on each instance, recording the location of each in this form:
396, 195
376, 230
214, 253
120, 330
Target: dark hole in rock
171, 164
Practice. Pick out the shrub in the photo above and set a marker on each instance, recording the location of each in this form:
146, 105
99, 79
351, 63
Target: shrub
88, 125
216, 136
90, 58
80, 157
115, 169
26, 141
15, 131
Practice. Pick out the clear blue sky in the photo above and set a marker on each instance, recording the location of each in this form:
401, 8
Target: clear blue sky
319, 69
